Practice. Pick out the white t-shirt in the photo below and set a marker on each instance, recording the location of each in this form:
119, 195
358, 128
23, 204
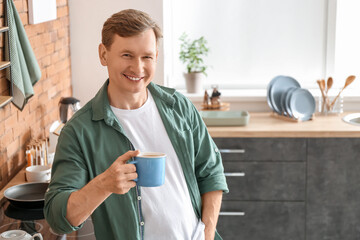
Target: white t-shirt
167, 210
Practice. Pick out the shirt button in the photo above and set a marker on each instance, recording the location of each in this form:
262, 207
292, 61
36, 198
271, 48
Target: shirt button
216, 150
142, 223
139, 198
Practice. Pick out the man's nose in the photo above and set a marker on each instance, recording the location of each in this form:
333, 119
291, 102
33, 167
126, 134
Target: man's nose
137, 65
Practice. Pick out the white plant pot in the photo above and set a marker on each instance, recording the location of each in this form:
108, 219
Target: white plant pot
194, 82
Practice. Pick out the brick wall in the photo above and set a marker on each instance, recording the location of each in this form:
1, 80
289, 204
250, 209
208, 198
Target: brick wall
51, 44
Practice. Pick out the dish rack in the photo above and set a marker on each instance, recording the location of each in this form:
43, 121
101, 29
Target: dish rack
288, 118
289, 101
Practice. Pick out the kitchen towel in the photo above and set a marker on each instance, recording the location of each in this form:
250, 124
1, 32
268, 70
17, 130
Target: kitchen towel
24, 71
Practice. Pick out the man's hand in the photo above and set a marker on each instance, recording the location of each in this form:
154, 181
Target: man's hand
119, 177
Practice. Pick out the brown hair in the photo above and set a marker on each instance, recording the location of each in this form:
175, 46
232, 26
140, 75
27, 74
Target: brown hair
128, 23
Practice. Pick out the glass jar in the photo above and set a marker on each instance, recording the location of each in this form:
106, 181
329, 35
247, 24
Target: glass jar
333, 104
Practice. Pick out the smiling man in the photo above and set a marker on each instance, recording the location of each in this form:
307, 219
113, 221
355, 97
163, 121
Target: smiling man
91, 176
131, 68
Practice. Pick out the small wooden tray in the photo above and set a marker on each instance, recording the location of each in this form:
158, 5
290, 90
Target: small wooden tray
223, 107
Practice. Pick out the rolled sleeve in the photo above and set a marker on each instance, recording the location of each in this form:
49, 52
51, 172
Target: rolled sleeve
213, 183
209, 169
55, 211
69, 174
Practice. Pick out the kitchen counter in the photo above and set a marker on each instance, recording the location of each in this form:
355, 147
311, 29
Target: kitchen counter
18, 179
266, 125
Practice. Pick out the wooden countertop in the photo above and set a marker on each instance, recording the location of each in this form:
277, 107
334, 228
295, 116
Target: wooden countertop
18, 179
266, 125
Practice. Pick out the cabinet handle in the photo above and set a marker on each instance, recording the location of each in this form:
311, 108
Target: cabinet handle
232, 150
232, 213
236, 174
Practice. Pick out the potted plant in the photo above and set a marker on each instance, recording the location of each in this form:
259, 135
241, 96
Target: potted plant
191, 54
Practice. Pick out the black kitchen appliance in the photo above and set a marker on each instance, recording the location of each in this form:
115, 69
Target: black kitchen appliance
64, 104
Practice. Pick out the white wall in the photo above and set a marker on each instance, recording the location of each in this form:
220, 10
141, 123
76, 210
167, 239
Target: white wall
86, 20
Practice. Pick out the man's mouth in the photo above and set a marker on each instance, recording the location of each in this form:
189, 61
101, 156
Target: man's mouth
133, 78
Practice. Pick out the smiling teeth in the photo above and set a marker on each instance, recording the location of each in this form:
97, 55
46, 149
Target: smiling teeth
133, 78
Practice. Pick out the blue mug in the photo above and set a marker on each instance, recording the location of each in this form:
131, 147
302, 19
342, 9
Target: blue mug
150, 167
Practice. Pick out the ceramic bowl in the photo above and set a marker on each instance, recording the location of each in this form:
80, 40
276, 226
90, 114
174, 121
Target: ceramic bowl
50, 158
38, 173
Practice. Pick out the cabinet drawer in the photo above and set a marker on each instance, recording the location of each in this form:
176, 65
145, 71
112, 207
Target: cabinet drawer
265, 181
262, 149
262, 220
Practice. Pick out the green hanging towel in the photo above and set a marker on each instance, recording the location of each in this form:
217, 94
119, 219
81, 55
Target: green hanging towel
24, 71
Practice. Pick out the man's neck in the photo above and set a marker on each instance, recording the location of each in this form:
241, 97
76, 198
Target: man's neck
127, 101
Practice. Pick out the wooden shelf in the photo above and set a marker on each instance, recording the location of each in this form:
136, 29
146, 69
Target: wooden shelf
4, 29
223, 107
5, 100
4, 64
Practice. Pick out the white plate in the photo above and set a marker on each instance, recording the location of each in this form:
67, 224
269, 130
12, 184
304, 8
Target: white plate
302, 104
352, 118
268, 92
277, 87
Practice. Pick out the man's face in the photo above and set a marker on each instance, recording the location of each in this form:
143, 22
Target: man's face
131, 62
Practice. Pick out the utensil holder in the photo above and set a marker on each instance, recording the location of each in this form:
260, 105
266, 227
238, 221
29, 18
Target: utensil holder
329, 109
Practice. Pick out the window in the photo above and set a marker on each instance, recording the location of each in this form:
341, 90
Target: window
347, 42
252, 41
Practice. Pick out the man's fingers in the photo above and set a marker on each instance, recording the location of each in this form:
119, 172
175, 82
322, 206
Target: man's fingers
126, 156
130, 184
131, 176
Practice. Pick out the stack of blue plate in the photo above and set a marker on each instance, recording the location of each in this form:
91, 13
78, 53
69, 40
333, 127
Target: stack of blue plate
286, 97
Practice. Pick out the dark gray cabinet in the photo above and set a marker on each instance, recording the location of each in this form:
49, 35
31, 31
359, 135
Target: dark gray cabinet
262, 220
270, 181
263, 149
266, 179
333, 189
291, 188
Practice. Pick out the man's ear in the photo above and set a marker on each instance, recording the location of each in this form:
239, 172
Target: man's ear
103, 54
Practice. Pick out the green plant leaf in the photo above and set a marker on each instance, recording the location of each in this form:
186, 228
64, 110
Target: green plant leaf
192, 53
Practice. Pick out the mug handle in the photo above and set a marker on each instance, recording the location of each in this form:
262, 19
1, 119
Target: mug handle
37, 235
134, 162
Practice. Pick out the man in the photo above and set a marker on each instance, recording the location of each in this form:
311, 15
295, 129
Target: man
90, 175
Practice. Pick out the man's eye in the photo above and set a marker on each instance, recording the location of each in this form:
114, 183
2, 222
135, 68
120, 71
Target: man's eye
148, 57
126, 55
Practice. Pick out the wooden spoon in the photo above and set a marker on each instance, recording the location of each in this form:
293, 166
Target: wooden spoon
326, 99
329, 84
348, 81
321, 84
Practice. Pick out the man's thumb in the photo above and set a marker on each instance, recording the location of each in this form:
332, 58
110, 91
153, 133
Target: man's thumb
126, 156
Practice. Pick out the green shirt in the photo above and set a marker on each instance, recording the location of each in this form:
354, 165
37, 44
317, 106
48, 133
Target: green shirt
93, 139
